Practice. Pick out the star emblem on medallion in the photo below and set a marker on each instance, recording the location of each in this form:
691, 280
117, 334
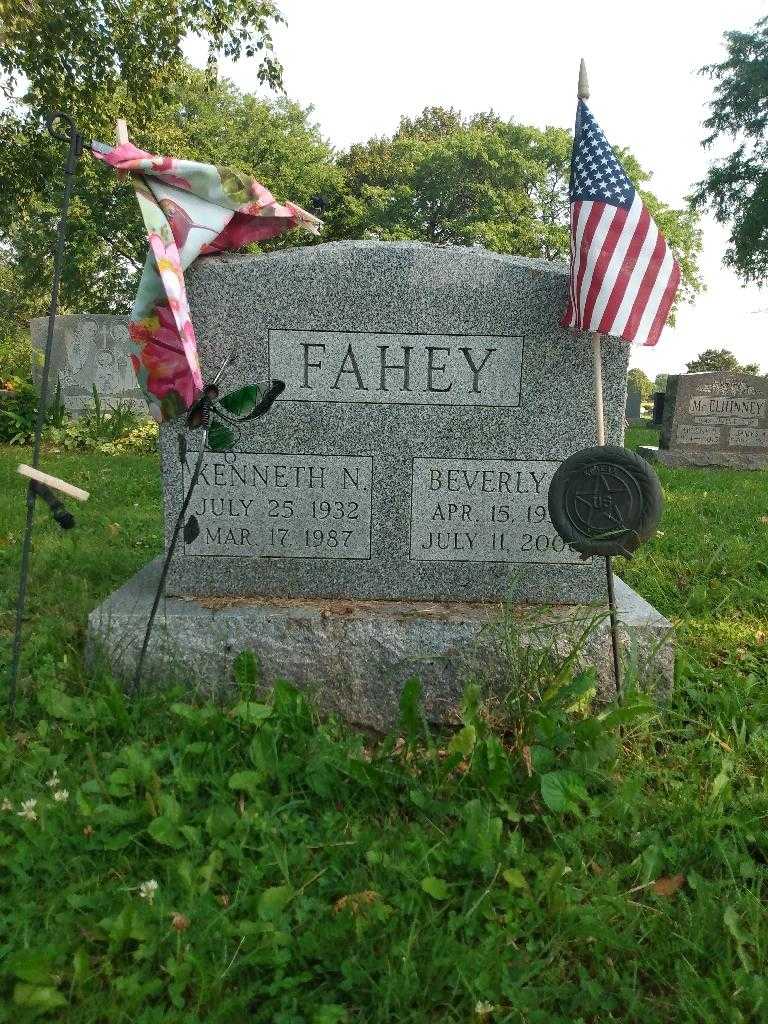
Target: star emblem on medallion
600, 502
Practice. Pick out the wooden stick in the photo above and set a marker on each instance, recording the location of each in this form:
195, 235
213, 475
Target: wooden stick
53, 481
597, 361
121, 131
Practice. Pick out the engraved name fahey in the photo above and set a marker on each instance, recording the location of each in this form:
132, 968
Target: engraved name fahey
404, 368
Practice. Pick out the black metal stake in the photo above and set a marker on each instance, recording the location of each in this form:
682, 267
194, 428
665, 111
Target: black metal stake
166, 564
614, 623
75, 140
597, 364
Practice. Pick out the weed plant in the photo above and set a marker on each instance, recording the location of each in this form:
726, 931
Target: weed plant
107, 428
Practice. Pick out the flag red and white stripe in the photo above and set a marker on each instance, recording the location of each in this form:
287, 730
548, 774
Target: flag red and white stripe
623, 274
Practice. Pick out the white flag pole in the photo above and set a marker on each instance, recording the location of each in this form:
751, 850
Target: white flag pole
597, 360
597, 364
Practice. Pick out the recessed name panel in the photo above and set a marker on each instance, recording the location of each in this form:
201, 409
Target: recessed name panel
410, 369
282, 506
484, 510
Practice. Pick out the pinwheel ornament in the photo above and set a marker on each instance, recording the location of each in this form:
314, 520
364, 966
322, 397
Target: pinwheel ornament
190, 209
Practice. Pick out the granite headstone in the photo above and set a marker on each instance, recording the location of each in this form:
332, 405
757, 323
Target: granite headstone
370, 527
659, 399
633, 409
89, 350
430, 396
716, 419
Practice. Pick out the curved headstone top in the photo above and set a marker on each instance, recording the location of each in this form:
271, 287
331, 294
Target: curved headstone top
430, 396
395, 286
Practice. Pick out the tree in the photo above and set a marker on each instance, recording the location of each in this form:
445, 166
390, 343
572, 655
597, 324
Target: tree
480, 180
719, 359
99, 60
639, 381
660, 384
442, 178
74, 51
735, 188
202, 118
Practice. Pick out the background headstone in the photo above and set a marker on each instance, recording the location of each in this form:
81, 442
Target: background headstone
430, 396
716, 419
88, 349
659, 401
633, 409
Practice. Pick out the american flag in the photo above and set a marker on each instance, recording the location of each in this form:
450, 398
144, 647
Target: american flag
623, 274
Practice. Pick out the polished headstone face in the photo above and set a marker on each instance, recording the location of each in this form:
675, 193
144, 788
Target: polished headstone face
708, 413
89, 350
430, 397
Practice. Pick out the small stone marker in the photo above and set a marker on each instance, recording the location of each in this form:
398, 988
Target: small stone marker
370, 526
715, 419
88, 349
633, 409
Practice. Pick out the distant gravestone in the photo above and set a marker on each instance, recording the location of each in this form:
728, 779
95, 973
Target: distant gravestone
369, 526
659, 399
89, 350
716, 419
633, 409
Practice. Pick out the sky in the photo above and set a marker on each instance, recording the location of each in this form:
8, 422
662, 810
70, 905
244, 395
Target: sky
362, 65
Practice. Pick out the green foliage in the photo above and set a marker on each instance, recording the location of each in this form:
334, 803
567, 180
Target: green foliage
16, 352
109, 429
660, 383
480, 180
192, 116
709, 565
720, 359
311, 874
445, 178
638, 380
263, 841
736, 186
18, 411
435, 887
83, 50
139, 438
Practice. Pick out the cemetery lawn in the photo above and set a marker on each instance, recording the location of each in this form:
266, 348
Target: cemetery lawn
167, 860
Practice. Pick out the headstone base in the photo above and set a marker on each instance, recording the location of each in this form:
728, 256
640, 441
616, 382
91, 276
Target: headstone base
682, 459
355, 656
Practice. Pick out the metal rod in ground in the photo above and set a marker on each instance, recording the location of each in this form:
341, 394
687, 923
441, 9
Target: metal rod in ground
136, 683
75, 149
614, 623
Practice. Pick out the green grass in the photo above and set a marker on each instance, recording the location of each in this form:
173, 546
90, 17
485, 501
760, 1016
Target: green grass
549, 866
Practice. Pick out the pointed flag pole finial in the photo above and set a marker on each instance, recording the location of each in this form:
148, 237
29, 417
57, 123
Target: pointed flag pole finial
583, 91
